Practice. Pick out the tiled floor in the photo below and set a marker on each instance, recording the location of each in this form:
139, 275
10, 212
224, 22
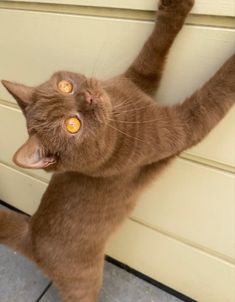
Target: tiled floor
21, 281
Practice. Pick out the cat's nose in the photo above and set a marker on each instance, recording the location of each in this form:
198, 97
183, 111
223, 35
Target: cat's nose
89, 97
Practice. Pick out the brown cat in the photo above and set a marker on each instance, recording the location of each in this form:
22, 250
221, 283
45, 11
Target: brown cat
105, 141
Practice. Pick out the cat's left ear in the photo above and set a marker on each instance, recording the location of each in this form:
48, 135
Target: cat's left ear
31, 155
22, 94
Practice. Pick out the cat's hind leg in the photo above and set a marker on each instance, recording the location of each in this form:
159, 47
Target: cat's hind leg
14, 232
146, 71
82, 288
78, 281
71, 291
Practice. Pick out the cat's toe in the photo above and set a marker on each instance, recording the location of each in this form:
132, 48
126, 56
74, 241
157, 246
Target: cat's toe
176, 5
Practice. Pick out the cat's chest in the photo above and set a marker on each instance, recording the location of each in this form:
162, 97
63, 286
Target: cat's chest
75, 204
76, 194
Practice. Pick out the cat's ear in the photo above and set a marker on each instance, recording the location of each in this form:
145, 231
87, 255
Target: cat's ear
21, 93
31, 155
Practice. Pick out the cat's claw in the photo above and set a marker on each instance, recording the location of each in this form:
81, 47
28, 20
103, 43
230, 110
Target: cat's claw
176, 5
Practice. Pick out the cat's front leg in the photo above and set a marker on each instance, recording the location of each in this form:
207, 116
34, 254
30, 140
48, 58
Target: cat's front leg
206, 107
183, 126
146, 71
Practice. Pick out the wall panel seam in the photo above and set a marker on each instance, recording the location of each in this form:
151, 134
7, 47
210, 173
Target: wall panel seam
206, 162
24, 173
187, 242
9, 105
140, 15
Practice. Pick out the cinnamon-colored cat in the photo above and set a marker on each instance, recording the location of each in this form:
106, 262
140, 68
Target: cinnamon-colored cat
105, 141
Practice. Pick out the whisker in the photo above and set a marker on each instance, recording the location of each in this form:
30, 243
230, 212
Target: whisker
130, 136
125, 103
132, 110
127, 122
91, 132
129, 102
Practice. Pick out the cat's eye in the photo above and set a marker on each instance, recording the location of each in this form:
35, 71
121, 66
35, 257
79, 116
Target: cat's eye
73, 125
65, 86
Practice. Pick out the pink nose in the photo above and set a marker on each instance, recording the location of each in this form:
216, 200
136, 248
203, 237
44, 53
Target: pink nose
89, 98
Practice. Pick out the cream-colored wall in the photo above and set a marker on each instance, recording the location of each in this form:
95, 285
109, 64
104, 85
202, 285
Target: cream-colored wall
183, 231
208, 7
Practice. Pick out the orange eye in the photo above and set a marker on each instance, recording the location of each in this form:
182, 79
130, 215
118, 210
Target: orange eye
73, 125
65, 86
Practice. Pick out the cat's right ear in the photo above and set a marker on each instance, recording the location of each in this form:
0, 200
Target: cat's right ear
21, 93
31, 155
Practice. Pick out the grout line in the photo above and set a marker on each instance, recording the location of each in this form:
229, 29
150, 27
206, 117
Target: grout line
44, 292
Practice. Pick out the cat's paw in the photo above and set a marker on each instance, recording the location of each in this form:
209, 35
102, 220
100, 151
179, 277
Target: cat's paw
183, 6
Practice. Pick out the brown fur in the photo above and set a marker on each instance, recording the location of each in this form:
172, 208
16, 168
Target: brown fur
126, 139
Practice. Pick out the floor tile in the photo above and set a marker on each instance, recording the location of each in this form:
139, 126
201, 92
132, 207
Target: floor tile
51, 295
120, 286
20, 280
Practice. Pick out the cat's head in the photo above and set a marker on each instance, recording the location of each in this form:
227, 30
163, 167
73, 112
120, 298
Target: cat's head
66, 121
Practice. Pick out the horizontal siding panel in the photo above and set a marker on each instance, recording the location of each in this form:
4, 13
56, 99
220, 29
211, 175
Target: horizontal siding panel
185, 72
195, 203
199, 275
21, 58
208, 7
19, 190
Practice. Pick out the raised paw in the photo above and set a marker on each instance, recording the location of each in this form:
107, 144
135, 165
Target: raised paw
183, 6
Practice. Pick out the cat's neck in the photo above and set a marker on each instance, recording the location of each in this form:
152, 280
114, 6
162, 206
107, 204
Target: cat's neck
129, 132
